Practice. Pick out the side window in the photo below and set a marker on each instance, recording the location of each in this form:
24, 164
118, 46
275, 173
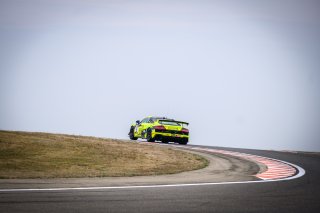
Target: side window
144, 120
152, 120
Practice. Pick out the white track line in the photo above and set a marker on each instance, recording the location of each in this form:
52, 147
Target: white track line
300, 172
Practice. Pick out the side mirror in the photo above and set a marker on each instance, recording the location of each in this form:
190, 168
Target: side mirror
137, 121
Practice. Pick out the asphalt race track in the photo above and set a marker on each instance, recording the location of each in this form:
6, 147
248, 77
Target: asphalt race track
297, 195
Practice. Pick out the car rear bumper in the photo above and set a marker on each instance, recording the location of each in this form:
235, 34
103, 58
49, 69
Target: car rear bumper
170, 137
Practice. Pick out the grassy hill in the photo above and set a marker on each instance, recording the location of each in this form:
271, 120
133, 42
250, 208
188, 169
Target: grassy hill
45, 155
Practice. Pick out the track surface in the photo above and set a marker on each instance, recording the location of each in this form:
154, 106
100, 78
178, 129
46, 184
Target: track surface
298, 195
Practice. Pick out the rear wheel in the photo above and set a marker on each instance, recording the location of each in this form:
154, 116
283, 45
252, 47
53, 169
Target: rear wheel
184, 142
149, 136
165, 141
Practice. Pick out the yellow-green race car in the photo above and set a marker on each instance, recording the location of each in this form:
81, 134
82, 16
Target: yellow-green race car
160, 129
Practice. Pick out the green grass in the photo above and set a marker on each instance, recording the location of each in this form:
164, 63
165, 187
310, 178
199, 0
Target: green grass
45, 155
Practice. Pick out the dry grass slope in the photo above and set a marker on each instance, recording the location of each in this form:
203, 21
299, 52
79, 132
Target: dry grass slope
44, 155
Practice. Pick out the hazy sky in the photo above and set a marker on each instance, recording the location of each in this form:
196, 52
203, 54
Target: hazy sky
243, 73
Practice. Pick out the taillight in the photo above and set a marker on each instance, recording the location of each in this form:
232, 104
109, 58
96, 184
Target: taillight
185, 130
159, 128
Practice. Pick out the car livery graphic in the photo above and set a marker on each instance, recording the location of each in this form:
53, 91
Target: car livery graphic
160, 129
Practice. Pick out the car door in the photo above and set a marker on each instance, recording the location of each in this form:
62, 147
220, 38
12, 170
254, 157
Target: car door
142, 126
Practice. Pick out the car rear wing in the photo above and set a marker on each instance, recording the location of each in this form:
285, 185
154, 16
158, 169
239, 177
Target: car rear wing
180, 122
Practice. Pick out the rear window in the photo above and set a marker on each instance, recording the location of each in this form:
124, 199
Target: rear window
171, 123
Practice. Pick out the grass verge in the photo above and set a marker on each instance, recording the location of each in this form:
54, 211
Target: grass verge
45, 155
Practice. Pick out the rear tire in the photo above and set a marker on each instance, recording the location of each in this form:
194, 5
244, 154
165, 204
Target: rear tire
165, 141
149, 136
184, 142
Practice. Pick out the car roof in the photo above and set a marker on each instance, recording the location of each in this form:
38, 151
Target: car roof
157, 118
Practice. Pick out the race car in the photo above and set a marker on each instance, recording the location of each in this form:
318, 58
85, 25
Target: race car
160, 129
